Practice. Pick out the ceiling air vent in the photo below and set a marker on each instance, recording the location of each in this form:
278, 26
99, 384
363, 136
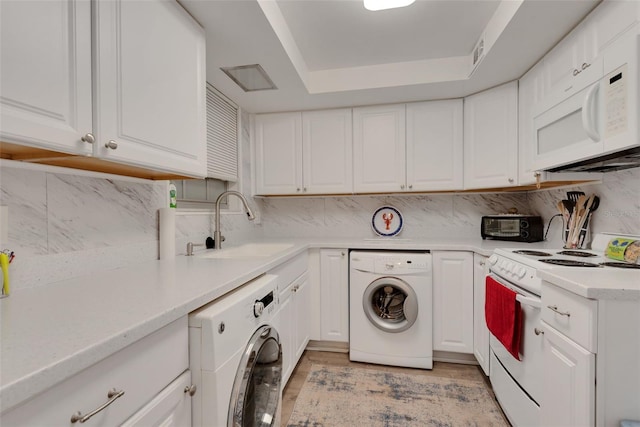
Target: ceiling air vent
478, 52
250, 77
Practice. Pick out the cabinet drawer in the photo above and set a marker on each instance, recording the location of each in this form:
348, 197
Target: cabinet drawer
141, 370
574, 316
291, 270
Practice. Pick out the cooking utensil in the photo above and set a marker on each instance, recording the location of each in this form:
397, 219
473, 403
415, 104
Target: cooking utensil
595, 202
574, 195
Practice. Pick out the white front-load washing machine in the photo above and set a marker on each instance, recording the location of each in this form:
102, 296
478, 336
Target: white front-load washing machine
390, 308
235, 358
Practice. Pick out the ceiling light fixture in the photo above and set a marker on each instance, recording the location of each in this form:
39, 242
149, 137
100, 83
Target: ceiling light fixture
386, 4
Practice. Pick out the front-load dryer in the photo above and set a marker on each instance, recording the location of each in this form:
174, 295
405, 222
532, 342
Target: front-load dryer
236, 358
390, 308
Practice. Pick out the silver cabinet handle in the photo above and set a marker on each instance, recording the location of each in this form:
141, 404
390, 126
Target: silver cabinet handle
585, 65
510, 180
112, 396
482, 263
576, 72
554, 308
538, 331
111, 144
410, 186
304, 189
402, 187
88, 138
342, 253
297, 189
191, 389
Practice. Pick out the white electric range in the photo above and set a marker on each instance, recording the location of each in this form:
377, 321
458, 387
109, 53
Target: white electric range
516, 383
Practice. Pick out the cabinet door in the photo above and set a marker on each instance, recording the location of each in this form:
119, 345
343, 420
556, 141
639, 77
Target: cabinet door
150, 86
170, 408
302, 320
491, 138
434, 146
379, 149
480, 330
453, 301
278, 153
45, 81
530, 93
334, 295
568, 378
286, 331
570, 66
327, 151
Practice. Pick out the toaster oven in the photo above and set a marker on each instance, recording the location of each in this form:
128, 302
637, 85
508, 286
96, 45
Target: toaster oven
514, 228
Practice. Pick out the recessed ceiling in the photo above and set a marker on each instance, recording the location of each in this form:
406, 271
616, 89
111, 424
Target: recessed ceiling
335, 53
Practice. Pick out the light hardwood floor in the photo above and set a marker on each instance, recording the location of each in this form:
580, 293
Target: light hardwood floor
310, 357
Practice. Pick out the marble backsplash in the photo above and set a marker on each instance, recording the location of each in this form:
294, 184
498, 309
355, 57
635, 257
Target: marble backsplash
619, 210
425, 216
63, 225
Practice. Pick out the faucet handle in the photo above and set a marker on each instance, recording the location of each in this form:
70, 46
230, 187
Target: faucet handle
190, 246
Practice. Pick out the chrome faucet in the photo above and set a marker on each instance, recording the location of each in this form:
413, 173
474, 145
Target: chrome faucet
217, 234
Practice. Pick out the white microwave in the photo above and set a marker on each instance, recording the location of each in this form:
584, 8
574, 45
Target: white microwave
600, 119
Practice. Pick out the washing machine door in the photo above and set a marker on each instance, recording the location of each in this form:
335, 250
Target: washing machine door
255, 399
390, 304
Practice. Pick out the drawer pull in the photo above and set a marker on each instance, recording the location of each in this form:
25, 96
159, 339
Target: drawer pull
538, 331
191, 389
112, 395
555, 309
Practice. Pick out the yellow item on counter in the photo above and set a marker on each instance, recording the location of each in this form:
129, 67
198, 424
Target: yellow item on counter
4, 264
623, 250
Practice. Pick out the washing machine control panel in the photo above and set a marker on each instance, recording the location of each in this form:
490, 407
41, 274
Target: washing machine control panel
260, 304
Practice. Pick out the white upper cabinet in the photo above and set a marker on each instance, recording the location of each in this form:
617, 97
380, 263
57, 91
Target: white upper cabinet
303, 153
78, 71
46, 74
434, 146
327, 152
150, 86
379, 149
491, 138
576, 61
530, 91
278, 153
412, 147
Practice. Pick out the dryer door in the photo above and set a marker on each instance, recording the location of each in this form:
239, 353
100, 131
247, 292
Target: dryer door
255, 399
390, 304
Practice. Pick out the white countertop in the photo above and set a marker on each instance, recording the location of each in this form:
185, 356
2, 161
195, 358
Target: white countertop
52, 332
596, 283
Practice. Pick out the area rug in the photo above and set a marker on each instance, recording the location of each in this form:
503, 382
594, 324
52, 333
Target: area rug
348, 397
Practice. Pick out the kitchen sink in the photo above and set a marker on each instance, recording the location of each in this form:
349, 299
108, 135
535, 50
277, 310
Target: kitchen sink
249, 250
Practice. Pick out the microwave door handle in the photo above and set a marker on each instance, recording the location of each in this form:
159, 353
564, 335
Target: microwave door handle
589, 118
533, 302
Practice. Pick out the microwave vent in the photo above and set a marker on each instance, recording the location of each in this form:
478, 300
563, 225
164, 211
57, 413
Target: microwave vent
626, 159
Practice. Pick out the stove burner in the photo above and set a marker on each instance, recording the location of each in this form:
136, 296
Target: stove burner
620, 265
532, 253
577, 253
569, 263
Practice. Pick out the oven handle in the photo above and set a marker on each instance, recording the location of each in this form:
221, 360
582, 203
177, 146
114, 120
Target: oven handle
533, 302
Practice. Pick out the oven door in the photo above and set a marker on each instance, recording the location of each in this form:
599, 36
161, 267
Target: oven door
524, 392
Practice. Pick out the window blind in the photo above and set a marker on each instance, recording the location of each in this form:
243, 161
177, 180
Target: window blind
222, 136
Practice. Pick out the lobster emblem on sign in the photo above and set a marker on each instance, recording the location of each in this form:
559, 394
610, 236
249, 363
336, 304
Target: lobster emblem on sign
387, 217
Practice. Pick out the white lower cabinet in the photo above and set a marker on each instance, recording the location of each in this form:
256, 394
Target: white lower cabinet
170, 408
591, 359
334, 295
294, 323
480, 330
453, 301
140, 371
569, 381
